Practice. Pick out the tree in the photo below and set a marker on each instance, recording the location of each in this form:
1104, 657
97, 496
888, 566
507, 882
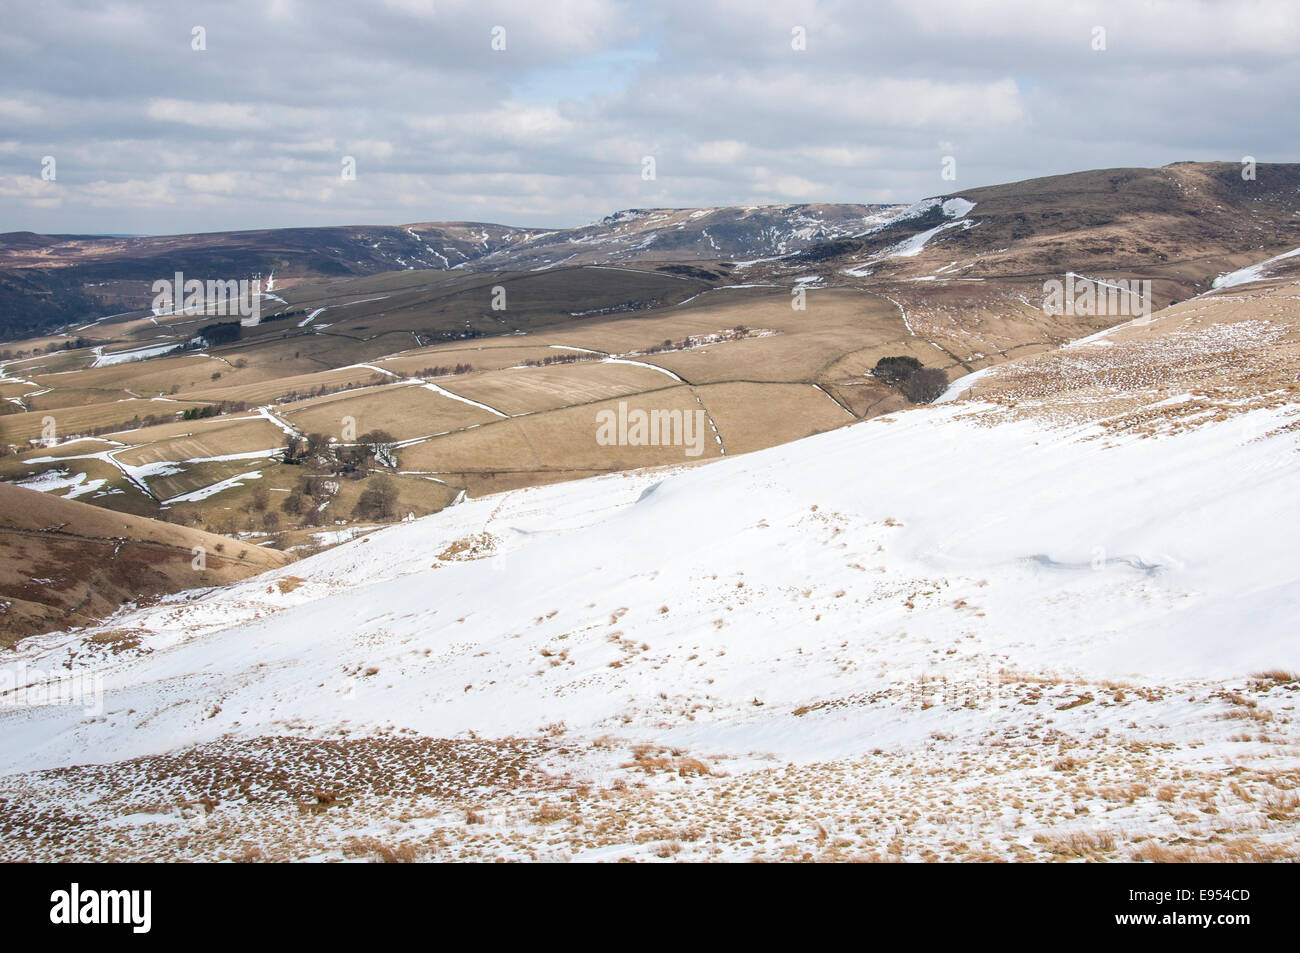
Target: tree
896, 370
919, 384
378, 500
320, 489
226, 332
318, 444
379, 445
295, 448
293, 504
925, 385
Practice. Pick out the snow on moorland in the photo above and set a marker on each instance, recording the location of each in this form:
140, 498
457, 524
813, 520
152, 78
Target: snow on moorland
976, 629
792, 576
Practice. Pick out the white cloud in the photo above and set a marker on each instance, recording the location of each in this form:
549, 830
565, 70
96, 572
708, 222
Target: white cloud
372, 148
18, 111
226, 183
717, 152
26, 187
129, 193
552, 131
240, 116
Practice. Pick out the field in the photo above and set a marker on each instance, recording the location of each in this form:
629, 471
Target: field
859, 664
406, 411
359, 400
472, 399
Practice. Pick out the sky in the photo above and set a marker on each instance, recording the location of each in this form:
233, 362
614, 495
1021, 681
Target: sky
131, 117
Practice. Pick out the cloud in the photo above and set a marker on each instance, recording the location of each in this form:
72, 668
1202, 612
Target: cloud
717, 152
14, 110
236, 116
26, 187
145, 193
154, 136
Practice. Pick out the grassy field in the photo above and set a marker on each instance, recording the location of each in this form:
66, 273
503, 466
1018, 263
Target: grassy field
753, 416
277, 389
527, 390
82, 419
403, 410
377, 353
206, 438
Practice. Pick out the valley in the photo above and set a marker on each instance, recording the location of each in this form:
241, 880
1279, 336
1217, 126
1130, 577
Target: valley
1041, 612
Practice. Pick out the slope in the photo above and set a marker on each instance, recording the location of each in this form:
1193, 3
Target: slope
999, 627
64, 563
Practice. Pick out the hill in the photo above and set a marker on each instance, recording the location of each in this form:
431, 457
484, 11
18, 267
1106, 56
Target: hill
1178, 226
465, 382
65, 563
49, 281
1048, 617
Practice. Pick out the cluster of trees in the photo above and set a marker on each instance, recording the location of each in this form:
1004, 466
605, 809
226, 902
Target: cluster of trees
443, 334
35, 300
325, 389
738, 333
689, 271
254, 515
259, 514
72, 344
373, 448
572, 357
919, 384
355, 461
310, 502
439, 371
895, 370
378, 501
225, 332
214, 410
313, 499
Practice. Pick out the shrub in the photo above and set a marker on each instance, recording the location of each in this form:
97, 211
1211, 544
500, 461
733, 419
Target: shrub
225, 332
295, 448
925, 386
895, 370
378, 500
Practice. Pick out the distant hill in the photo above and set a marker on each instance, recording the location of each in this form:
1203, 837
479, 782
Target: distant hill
1182, 223
1178, 223
48, 281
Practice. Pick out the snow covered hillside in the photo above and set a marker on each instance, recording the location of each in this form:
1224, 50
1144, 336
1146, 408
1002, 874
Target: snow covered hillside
998, 626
